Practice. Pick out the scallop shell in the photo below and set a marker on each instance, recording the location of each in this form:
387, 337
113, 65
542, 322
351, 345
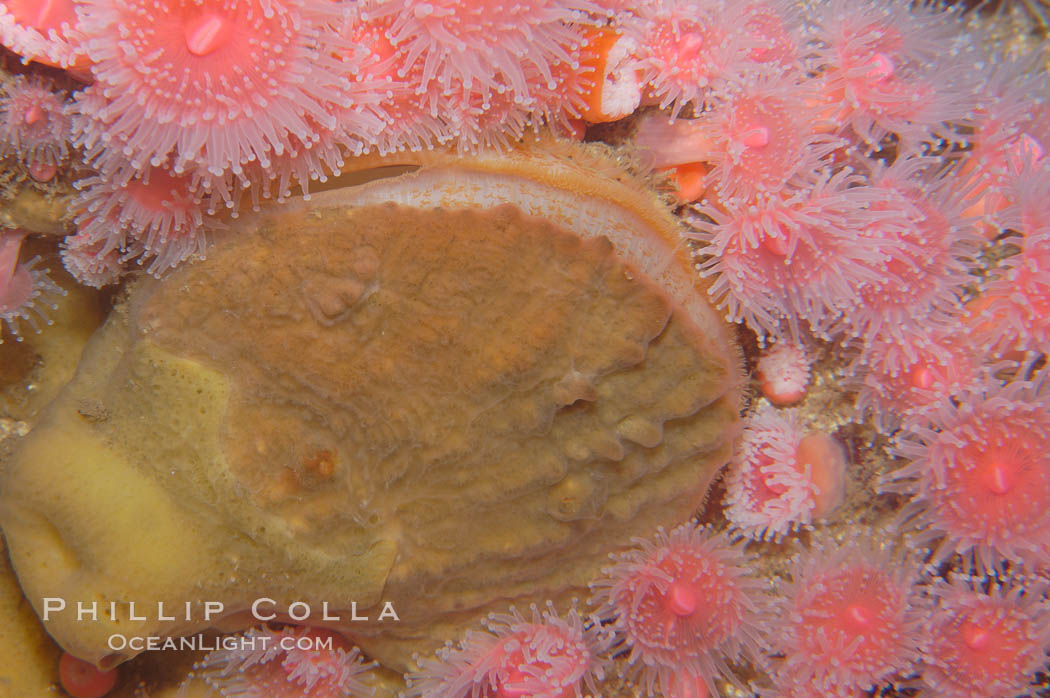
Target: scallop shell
439, 393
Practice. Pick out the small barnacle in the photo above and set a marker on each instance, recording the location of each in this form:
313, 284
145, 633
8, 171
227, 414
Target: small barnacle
321, 463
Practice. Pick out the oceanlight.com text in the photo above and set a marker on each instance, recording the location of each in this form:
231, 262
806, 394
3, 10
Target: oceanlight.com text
119, 642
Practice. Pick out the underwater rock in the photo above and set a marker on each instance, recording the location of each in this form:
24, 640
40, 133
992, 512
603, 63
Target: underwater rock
31, 210
456, 401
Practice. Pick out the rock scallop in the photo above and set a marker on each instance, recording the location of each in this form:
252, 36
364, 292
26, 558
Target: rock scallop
449, 390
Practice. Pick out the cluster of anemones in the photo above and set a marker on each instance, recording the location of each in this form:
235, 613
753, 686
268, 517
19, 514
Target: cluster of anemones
844, 188
821, 205
854, 193
854, 190
34, 138
681, 606
822, 210
191, 107
685, 612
